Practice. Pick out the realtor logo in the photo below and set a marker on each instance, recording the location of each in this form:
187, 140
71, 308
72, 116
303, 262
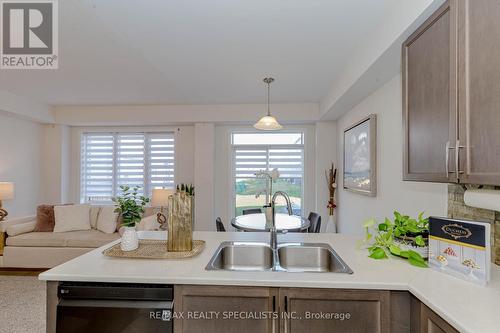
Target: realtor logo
29, 34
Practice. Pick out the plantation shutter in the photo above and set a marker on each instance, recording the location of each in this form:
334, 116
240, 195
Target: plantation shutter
110, 160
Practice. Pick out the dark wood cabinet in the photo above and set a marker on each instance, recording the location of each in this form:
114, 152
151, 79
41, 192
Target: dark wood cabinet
429, 100
479, 91
215, 309
451, 93
334, 310
210, 309
430, 322
424, 320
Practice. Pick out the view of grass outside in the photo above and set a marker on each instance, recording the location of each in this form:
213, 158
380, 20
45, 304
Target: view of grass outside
247, 190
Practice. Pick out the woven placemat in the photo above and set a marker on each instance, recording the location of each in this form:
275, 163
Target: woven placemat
154, 249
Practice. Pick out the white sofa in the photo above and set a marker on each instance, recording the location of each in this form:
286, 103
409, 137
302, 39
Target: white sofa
25, 248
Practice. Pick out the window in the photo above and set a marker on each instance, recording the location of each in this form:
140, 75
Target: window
109, 160
253, 152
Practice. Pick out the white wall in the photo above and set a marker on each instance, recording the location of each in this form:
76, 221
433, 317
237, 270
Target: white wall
20, 155
393, 193
204, 175
56, 164
326, 154
24, 108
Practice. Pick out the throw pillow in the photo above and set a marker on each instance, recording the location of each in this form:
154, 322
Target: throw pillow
45, 220
107, 219
94, 214
72, 218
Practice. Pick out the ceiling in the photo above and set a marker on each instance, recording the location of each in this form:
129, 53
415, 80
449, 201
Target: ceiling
199, 51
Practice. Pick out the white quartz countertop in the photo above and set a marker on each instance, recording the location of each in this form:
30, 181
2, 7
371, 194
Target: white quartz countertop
466, 306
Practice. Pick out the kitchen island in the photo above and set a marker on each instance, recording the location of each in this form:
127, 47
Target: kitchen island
465, 306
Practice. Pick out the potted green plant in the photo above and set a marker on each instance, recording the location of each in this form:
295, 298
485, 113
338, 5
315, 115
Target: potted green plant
130, 206
404, 237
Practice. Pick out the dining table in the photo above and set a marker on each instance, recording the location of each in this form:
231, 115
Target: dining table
257, 222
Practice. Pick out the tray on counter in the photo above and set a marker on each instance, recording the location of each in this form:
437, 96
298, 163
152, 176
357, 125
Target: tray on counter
154, 249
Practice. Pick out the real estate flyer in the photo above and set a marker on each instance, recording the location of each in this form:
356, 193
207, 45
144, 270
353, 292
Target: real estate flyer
460, 248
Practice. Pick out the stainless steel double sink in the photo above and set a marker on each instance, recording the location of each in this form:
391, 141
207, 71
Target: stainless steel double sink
288, 257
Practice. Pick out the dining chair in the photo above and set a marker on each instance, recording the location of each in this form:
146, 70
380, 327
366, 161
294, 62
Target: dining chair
219, 225
252, 211
315, 220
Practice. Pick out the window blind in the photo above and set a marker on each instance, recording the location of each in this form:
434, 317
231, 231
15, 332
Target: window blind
288, 161
109, 160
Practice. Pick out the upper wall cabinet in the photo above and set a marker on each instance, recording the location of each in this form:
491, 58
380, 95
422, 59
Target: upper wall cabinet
451, 95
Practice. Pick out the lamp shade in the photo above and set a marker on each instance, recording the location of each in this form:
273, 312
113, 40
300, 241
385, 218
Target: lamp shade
268, 123
160, 197
6, 191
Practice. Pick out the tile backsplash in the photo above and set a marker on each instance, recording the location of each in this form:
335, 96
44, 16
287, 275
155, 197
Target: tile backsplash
458, 210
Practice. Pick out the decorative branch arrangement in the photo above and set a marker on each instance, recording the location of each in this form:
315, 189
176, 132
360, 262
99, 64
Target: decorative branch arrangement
331, 181
189, 189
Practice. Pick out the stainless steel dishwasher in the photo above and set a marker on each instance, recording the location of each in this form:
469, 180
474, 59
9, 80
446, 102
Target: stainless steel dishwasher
114, 307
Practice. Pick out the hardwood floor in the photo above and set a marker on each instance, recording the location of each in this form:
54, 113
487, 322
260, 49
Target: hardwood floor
21, 271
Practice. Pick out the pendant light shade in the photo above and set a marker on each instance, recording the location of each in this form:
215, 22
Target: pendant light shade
268, 122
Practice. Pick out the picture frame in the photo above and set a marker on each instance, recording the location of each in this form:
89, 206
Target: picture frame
360, 157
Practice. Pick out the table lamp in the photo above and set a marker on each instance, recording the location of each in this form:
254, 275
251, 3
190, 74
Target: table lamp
6, 193
160, 199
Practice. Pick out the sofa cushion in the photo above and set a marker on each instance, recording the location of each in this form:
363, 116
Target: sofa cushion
83, 239
38, 239
72, 218
21, 228
91, 238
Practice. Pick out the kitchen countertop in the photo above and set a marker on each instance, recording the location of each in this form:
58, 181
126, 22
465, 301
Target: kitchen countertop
466, 306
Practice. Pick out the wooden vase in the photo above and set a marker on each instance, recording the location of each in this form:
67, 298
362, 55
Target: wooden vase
180, 223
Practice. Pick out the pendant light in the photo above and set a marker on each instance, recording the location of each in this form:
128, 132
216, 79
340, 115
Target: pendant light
268, 122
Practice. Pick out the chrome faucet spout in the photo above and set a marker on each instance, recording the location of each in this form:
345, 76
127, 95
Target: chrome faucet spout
274, 235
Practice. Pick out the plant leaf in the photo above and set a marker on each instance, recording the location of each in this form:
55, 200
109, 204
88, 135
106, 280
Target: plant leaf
415, 256
378, 253
419, 240
382, 227
417, 263
396, 250
404, 254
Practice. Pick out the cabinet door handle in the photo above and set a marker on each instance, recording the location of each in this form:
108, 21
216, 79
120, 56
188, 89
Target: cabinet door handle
448, 148
457, 159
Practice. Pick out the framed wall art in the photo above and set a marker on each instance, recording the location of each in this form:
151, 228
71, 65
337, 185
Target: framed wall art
360, 157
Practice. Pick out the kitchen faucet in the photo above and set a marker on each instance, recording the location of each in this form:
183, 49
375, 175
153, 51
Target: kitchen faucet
274, 236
